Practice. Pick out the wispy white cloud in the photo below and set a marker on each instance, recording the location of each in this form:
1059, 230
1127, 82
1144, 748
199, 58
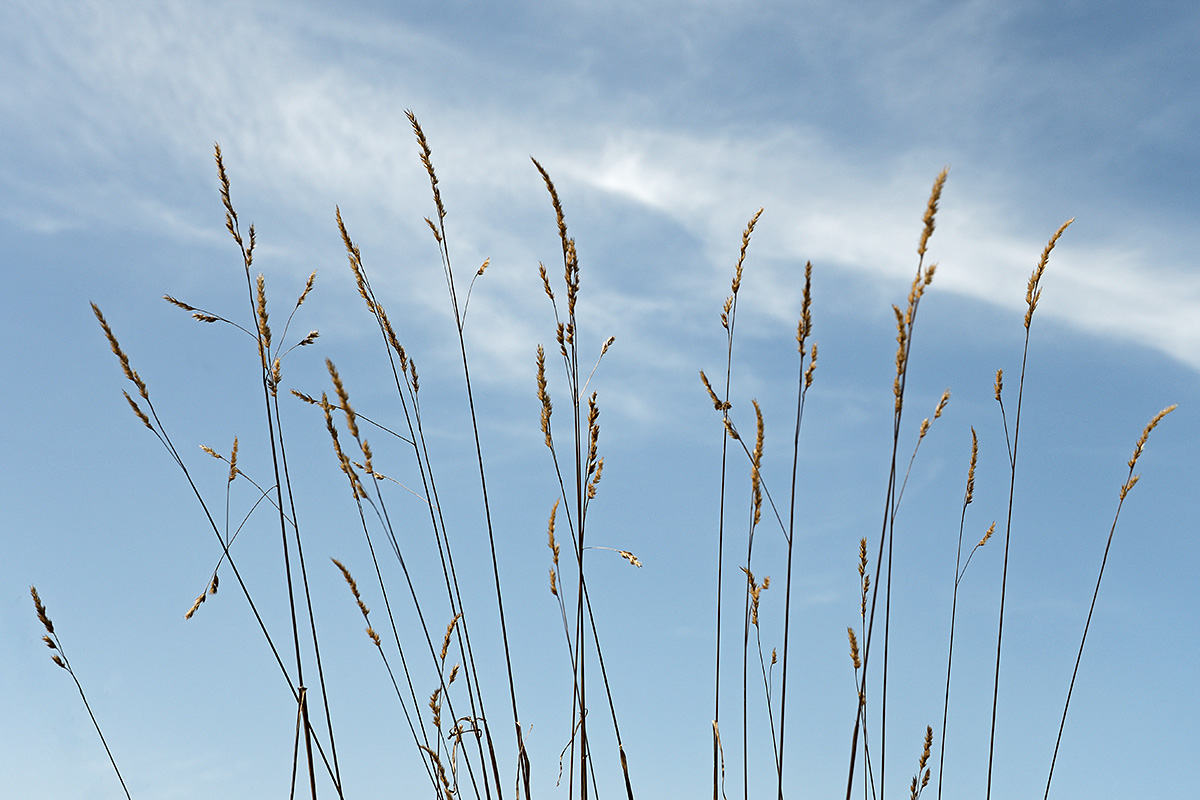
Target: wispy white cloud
310, 111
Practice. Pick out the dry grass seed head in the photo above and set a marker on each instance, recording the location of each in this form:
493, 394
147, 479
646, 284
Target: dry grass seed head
987, 535
755, 589
854, 657
919, 782
355, 483
343, 398
717, 402
308, 285
129, 371
428, 163
971, 470
553, 543
737, 273
1151, 425
544, 396
931, 210
941, 406
41, 611
558, 212
756, 463
1137, 450
231, 218
196, 605
804, 326
545, 281
264, 329
449, 633
591, 489
138, 410
1033, 290
355, 258
233, 470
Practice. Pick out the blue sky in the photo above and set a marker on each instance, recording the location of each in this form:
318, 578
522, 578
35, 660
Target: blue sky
665, 125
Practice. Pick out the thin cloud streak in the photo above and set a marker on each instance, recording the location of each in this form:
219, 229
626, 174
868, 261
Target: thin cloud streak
308, 134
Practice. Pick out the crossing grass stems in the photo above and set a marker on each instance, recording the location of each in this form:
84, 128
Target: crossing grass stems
452, 728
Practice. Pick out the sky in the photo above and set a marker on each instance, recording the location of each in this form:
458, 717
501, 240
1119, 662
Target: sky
665, 125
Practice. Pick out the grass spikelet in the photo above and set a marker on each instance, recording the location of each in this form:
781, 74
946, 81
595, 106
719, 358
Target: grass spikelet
129, 371
138, 410
426, 160
804, 326
854, 657
737, 272
1033, 290
544, 398
919, 781
343, 398
756, 463
717, 402
558, 214
931, 211
970, 495
449, 633
264, 329
987, 535
52, 641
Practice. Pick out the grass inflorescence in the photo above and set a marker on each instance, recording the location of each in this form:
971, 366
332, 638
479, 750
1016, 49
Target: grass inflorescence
472, 741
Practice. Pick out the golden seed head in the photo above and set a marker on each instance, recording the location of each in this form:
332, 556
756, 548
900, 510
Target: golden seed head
756, 462
553, 544
130, 373
931, 211
854, 655
631, 558
737, 275
41, 610
426, 160
233, 470
264, 330
137, 410
449, 633
971, 469
941, 406
987, 535
308, 285
1033, 291
203, 596
1141, 442
343, 398
804, 325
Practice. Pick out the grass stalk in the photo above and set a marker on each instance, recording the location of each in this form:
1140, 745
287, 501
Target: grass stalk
59, 657
1130, 480
1033, 293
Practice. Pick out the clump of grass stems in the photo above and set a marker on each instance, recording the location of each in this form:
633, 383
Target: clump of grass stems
443, 699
